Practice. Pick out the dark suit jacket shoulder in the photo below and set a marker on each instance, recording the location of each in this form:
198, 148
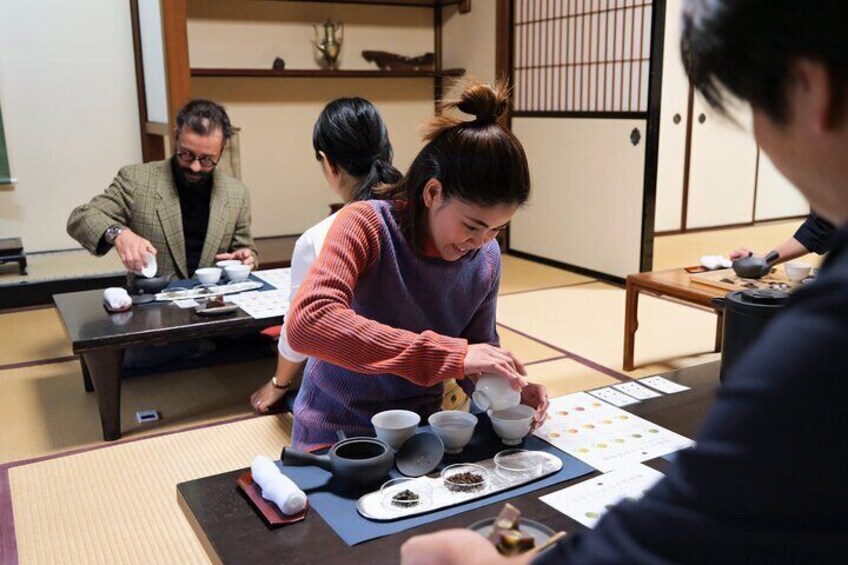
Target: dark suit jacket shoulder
766, 480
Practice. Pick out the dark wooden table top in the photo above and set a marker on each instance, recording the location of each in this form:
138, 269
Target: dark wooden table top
11, 246
90, 326
232, 532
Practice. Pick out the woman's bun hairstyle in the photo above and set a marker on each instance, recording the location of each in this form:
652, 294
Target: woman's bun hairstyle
485, 103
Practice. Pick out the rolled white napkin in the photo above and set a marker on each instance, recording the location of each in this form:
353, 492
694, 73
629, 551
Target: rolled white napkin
116, 299
713, 262
277, 487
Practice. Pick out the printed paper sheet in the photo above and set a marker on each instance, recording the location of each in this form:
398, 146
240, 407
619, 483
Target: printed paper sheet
588, 501
604, 436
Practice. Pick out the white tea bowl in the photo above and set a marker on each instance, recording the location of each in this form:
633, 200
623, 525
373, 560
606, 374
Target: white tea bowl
512, 424
797, 270
454, 428
395, 426
208, 275
238, 272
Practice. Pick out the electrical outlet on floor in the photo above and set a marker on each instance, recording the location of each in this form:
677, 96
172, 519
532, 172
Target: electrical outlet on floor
146, 416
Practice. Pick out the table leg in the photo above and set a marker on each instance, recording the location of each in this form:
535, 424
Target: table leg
86, 376
631, 323
104, 366
719, 329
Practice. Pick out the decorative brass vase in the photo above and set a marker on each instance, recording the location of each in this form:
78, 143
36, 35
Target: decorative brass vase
331, 44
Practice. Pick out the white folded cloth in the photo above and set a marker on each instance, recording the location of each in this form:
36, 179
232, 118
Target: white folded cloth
277, 487
713, 262
116, 299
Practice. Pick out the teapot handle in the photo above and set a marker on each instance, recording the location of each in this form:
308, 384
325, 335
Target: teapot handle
340, 32
772, 256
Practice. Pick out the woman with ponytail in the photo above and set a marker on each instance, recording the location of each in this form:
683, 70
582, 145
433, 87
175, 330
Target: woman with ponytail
352, 144
404, 292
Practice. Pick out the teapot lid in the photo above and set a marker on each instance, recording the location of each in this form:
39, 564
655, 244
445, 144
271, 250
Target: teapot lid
756, 299
768, 296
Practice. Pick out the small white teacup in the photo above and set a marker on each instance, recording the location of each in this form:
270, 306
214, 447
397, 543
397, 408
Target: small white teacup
395, 426
238, 272
797, 271
208, 275
149, 270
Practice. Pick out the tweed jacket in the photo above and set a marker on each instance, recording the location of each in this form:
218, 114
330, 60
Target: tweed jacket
145, 199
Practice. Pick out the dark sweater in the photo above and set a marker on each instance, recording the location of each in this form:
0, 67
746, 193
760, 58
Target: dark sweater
815, 234
766, 481
194, 204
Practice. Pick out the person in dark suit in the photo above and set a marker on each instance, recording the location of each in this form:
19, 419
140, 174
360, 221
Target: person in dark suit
765, 481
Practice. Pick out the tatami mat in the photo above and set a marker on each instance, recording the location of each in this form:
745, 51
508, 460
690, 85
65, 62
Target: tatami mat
519, 275
527, 350
589, 320
681, 250
61, 265
32, 335
51, 411
565, 376
119, 505
116, 503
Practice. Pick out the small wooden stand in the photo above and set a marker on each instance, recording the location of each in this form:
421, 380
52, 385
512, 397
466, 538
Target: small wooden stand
11, 249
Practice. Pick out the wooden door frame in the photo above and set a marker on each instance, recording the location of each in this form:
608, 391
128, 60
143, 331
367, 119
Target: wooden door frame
177, 75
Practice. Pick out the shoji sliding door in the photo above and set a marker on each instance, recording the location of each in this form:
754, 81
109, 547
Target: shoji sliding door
581, 75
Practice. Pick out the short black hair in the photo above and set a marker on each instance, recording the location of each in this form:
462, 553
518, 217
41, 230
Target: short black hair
204, 117
749, 46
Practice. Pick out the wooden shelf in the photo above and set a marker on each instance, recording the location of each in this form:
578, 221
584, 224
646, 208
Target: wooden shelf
465, 5
319, 73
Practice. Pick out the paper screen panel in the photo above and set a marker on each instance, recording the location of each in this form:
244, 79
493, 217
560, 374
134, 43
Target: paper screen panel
581, 55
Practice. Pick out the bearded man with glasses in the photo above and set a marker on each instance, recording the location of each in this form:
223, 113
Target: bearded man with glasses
182, 210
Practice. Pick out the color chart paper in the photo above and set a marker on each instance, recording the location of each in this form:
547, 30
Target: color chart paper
278, 278
604, 436
267, 304
588, 501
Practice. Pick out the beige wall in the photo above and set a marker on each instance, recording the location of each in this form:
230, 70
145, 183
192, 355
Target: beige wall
68, 93
468, 40
276, 115
278, 165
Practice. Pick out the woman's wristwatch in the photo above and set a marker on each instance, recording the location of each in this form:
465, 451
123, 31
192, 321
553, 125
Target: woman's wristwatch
278, 385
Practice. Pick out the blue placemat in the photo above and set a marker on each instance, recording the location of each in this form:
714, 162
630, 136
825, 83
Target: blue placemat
339, 509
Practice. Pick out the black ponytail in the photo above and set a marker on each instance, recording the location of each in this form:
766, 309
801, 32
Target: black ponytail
351, 133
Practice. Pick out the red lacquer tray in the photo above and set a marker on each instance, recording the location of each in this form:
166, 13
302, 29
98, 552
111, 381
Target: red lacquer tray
268, 510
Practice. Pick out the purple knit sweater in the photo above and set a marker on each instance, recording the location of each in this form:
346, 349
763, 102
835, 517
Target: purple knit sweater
384, 325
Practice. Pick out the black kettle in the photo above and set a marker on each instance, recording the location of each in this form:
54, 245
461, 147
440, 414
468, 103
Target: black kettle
746, 315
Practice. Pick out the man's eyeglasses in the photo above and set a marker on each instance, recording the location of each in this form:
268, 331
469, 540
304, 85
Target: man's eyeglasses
189, 158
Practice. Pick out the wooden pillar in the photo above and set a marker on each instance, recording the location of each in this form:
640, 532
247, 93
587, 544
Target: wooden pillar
177, 71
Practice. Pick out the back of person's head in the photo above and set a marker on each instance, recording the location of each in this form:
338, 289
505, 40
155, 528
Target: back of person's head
204, 117
476, 161
750, 46
351, 133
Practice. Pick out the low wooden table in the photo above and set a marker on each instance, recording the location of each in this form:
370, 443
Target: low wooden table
231, 531
12, 250
101, 338
675, 284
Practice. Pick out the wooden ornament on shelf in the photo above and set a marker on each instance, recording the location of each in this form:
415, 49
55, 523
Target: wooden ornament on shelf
390, 61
